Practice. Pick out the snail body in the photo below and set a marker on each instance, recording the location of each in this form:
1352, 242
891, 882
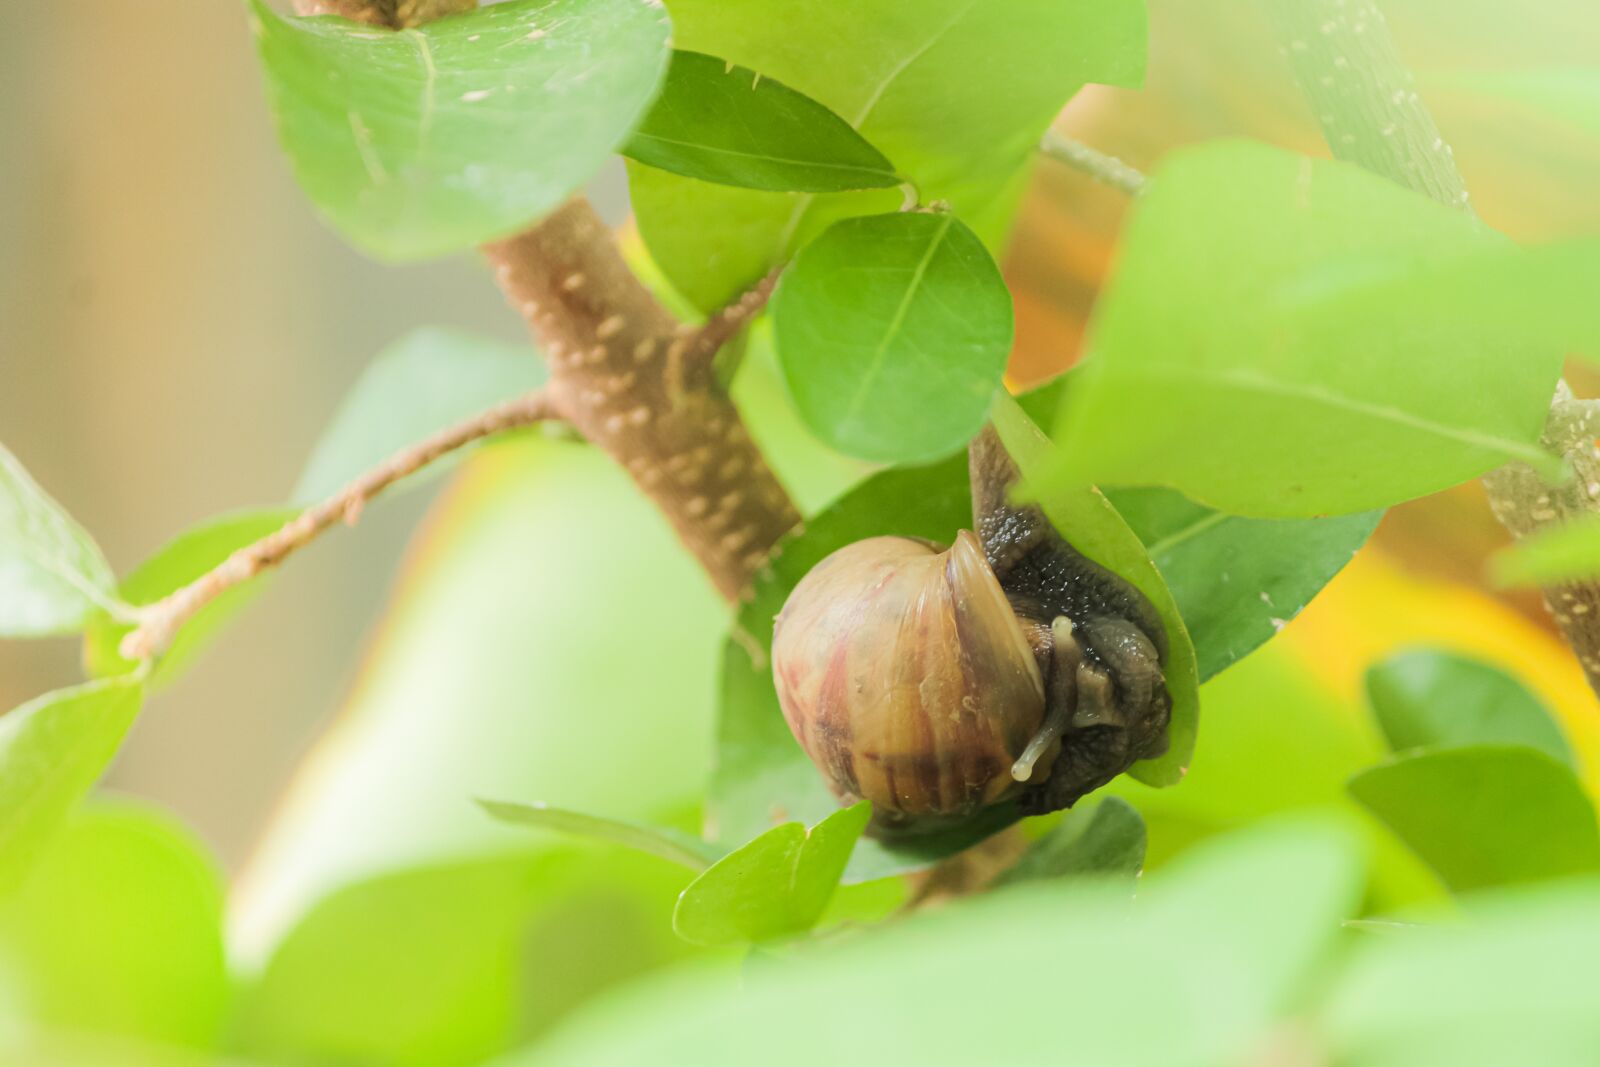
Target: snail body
938, 682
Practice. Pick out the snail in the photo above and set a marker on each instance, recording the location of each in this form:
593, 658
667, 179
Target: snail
941, 682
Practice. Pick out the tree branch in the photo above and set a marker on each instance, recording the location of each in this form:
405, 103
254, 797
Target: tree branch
160, 622
1346, 64
1108, 170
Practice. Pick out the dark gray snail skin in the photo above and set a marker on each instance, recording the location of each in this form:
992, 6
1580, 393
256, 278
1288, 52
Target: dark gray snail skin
1104, 687
1005, 674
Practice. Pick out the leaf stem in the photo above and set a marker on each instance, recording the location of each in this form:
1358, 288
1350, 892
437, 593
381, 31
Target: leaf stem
1108, 170
159, 623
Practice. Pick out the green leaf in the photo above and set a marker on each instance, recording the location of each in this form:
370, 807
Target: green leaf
1238, 581
1094, 528
1571, 94
893, 332
428, 380
1288, 338
1103, 838
1425, 698
428, 141
52, 575
52, 751
118, 930
908, 79
452, 962
1556, 554
1485, 815
662, 842
181, 561
775, 886
730, 125
1045, 974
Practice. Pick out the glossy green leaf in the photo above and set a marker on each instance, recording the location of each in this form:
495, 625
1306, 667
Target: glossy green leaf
956, 92
1095, 529
452, 962
775, 886
118, 930
427, 141
1557, 554
1238, 581
893, 332
1289, 338
52, 751
179, 562
662, 842
1102, 838
428, 380
1425, 698
53, 577
730, 125
1485, 815
1191, 975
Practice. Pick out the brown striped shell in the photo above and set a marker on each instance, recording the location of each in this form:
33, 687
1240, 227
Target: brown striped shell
907, 678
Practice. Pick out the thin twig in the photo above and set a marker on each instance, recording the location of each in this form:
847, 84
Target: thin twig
160, 622
1108, 170
692, 352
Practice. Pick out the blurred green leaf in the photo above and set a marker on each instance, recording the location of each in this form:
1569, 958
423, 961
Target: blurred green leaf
902, 76
118, 930
1425, 698
1193, 975
422, 142
775, 886
426, 381
1095, 529
1553, 555
893, 333
1102, 837
445, 964
53, 750
730, 125
1571, 94
1485, 815
1518, 984
1302, 338
182, 560
662, 842
1237, 581
52, 576
532, 646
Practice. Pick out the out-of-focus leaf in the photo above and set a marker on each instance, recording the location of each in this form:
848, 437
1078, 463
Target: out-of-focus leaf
1095, 529
893, 332
1289, 338
1425, 698
425, 382
428, 141
1571, 94
52, 751
1103, 838
1214, 953
532, 645
52, 576
447, 964
118, 930
181, 561
1238, 581
1519, 984
775, 886
663, 842
901, 76
1557, 554
727, 124
1485, 815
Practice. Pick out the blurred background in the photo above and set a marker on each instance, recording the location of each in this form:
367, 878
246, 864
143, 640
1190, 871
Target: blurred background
176, 327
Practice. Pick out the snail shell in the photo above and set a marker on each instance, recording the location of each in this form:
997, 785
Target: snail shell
905, 674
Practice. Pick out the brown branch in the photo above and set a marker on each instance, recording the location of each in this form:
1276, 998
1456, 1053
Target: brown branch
160, 622
1346, 65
